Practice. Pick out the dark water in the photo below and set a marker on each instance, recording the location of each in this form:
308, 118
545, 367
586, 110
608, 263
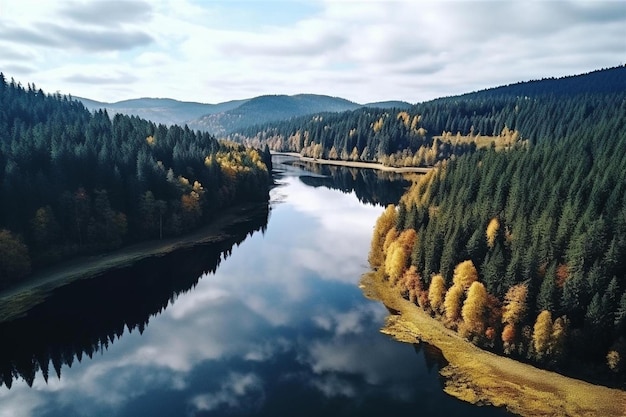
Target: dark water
267, 324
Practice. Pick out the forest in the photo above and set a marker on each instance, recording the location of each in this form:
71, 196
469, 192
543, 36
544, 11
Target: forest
74, 182
437, 130
523, 252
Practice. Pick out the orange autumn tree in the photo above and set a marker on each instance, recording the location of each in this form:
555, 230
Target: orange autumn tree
513, 313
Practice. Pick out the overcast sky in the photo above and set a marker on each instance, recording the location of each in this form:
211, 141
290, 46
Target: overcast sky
216, 50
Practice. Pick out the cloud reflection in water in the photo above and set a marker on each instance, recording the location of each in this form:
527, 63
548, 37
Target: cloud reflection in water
281, 324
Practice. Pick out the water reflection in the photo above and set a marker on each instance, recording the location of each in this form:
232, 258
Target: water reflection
86, 317
370, 186
280, 328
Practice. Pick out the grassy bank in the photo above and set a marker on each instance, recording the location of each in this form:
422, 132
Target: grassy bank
17, 300
483, 378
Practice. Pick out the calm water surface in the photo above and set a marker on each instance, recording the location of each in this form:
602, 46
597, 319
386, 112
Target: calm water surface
276, 327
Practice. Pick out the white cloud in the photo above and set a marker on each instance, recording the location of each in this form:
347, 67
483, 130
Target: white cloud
232, 393
362, 50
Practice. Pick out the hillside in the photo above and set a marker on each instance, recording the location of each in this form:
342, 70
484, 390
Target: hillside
161, 110
522, 251
74, 182
269, 108
393, 104
222, 118
430, 132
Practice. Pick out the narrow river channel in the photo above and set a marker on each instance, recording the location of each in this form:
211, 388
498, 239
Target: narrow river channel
276, 325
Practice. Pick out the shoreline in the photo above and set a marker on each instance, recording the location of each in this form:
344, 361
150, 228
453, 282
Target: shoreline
17, 300
480, 377
356, 164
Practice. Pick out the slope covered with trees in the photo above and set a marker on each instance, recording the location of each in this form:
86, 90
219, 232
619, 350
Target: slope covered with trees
73, 182
269, 108
427, 133
161, 110
524, 252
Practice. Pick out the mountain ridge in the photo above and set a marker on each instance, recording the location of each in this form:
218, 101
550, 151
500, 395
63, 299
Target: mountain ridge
221, 118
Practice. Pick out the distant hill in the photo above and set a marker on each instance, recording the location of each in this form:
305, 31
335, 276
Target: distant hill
426, 133
161, 110
223, 118
403, 105
270, 108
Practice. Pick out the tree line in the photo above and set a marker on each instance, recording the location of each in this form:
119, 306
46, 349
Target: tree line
74, 182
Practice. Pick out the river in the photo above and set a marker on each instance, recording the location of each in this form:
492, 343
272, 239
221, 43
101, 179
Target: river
269, 323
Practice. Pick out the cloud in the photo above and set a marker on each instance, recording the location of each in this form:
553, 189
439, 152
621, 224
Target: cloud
107, 13
239, 391
83, 39
18, 69
101, 78
361, 50
332, 386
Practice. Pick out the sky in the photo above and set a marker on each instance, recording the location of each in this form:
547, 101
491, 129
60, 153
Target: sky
211, 51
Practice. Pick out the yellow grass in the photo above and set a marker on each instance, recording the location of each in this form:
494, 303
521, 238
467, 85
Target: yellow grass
503, 141
483, 378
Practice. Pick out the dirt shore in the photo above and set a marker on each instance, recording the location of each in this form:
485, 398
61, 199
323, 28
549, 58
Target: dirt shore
354, 164
483, 378
17, 300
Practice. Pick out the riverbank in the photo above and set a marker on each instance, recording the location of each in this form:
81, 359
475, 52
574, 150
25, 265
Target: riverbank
355, 164
483, 378
16, 301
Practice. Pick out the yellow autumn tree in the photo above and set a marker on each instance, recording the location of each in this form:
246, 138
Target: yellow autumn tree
542, 333
385, 222
515, 304
464, 274
613, 360
474, 307
390, 238
492, 231
557, 337
436, 292
395, 261
453, 301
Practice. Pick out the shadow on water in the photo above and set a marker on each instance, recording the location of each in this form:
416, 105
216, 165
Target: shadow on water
87, 316
369, 186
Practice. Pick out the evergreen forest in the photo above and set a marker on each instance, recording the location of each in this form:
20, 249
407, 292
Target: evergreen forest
74, 182
522, 250
428, 133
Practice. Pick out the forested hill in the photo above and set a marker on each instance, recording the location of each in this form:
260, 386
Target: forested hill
270, 108
75, 182
524, 251
161, 110
504, 117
